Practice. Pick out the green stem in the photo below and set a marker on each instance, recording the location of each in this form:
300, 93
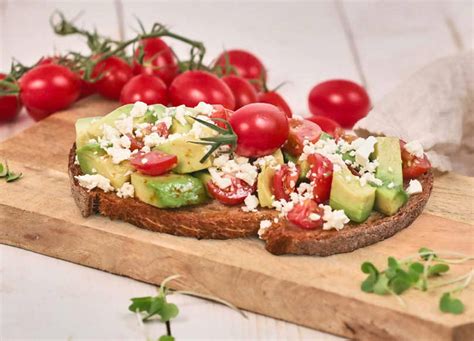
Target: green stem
467, 277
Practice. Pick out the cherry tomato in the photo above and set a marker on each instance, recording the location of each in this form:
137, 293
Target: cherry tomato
275, 98
307, 215
284, 182
192, 87
244, 64
135, 142
300, 131
320, 176
144, 88
10, 105
111, 74
222, 113
327, 125
413, 166
234, 194
261, 129
160, 128
344, 101
154, 163
158, 60
244, 92
48, 88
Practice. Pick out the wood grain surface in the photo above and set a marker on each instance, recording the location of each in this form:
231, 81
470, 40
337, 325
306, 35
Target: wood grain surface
322, 293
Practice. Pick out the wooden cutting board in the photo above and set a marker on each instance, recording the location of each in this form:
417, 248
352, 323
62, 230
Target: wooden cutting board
38, 214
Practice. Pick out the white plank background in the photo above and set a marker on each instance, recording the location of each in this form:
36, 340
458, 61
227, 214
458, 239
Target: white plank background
378, 43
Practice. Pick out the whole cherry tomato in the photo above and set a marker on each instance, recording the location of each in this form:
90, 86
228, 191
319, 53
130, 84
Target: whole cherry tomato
320, 176
111, 74
413, 166
158, 59
275, 98
284, 182
144, 88
243, 63
307, 215
154, 163
192, 87
48, 88
260, 128
300, 131
244, 92
327, 125
341, 100
10, 105
234, 194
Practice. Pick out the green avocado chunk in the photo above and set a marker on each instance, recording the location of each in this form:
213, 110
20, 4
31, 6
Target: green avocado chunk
189, 154
93, 160
205, 177
178, 128
82, 130
264, 186
169, 191
390, 196
96, 128
348, 195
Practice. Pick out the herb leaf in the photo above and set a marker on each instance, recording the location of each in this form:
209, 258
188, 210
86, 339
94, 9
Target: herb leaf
368, 284
13, 176
448, 304
3, 170
166, 338
437, 269
168, 311
425, 253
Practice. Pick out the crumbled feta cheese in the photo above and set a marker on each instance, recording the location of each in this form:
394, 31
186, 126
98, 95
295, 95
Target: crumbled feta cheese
264, 225
371, 179
125, 126
153, 140
364, 148
118, 154
268, 160
251, 203
93, 170
166, 120
220, 181
221, 160
204, 108
144, 160
76, 160
138, 109
414, 187
126, 191
238, 167
391, 185
333, 219
125, 142
276, 220
90, 182
415, 148
180, 113
314, 216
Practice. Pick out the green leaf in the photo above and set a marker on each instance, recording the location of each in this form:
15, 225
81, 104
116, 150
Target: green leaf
168, 311
417, 267
381, 286
13, 176
140, 304
166, 338
368, 268
448, 304
425, 253
368, 284
3, 170
399, 285
392, 262
437, 269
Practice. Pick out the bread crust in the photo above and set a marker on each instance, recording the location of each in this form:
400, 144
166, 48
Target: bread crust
216, 221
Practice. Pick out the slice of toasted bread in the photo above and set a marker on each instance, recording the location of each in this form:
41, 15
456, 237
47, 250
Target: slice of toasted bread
217, 221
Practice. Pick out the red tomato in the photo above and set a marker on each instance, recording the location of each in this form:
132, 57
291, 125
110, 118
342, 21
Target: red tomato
222, 113
154, 163
192, 87
234, 194
307, 215
261, 129
284, 182
344, 101
300, 131
272, 97
244, 63
48, 88
413, 166
320, 175
244, 92
144, 88
327, 125
160, 128
135, 143
158, 60
10, 105
111, 74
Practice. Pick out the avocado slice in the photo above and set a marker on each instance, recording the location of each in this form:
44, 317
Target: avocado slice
152, 115
93, 160
95, 128
82, 126
390, 196
205, 177
169, 191
189, 154
179, 128
264, 186
347, 194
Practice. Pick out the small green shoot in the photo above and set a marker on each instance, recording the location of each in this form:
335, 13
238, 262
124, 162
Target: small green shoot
6, 173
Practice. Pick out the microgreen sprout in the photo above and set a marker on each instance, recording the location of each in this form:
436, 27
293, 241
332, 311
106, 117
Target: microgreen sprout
6, 173
419, 272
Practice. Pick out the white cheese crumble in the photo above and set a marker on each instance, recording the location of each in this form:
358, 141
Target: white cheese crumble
334, 219
90, 182
125, 126
139, 109
126, 191
264, 225
76, 160
364, 148
391, 185
220, 181
204, 108
415, 148
180, 113
240, 167
251, 203
414, 187
371, 179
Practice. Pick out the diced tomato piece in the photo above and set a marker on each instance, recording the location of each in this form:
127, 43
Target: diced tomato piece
284, 182
412, 165
154, 163
232, 195
320, 175
307, 215
300, 131
221, 113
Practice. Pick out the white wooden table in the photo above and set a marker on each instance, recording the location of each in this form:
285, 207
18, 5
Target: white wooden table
372, 42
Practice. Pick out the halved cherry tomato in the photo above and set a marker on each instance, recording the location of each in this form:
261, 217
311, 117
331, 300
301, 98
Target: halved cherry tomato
223, 113
320, 175
284, 182
307, 215
135, 143
243, 90
154, 162
234, 194
272, 97
160, 128
413, 166
327, 125
300, 131
111, 74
